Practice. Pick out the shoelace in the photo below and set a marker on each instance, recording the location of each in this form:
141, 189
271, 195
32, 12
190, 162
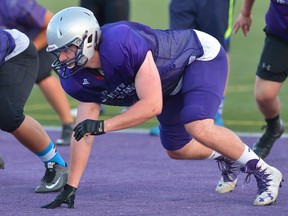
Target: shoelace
49, 175
261, 179
228, 168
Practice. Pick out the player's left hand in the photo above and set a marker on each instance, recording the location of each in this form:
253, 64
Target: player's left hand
67, 195
88, 126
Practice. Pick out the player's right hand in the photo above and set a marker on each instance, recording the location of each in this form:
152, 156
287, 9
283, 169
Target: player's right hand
67, 195
89, 126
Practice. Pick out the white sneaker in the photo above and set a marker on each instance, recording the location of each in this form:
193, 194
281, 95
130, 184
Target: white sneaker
226, 186
268, 181
230, 170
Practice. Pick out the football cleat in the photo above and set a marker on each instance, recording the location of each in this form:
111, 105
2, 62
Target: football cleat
54, 179
268, 180
273, 132
230, 170
65, 139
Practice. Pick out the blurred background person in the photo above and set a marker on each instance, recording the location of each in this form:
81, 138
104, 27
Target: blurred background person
272, 69
108, 11
211, 16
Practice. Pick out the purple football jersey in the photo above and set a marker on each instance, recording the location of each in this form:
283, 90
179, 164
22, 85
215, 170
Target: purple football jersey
26, 16
123, 49
277, 18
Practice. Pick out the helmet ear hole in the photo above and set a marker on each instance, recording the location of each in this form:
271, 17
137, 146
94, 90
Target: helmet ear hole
97, 40
90, 39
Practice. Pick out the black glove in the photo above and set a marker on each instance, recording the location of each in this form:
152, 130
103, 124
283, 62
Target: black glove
67, 195
93, 127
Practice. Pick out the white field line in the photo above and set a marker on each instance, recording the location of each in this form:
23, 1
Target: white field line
146, 131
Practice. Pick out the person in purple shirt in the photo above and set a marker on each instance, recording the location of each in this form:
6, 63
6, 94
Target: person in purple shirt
18, 71
177, 75
32, 19
272, 69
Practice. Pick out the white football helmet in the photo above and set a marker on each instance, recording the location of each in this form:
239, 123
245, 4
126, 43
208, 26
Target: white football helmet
72, 26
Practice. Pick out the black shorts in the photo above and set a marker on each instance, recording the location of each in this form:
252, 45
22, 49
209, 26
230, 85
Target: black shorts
17, 78
273, 64
45, 61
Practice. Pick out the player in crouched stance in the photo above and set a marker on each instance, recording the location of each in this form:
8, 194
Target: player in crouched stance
18, 72
177, 75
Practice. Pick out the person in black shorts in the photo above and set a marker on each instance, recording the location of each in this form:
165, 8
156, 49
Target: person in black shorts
272, 69
32, 19
18, 71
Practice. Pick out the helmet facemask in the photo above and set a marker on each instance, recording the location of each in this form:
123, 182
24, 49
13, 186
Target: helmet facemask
75, 64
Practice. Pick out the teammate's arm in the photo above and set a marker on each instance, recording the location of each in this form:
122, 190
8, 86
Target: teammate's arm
244, 20
40, 41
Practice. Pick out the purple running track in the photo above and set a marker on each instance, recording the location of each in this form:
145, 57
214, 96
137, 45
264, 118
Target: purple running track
130, 174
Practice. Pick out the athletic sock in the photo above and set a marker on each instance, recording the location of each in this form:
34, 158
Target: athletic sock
246, 156
214, 155
50, 154
273, 120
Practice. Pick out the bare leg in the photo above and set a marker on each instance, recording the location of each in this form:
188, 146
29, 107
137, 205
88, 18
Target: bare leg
268, 101
266, 96
32, 135
192, 151
79, 161
217, 138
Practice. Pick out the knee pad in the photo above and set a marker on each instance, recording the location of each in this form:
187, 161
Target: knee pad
10, 119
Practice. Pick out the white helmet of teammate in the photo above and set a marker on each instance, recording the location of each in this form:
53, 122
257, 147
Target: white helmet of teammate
72, 26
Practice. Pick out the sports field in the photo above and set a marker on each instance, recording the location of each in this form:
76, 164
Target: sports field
240, 112
130, 174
